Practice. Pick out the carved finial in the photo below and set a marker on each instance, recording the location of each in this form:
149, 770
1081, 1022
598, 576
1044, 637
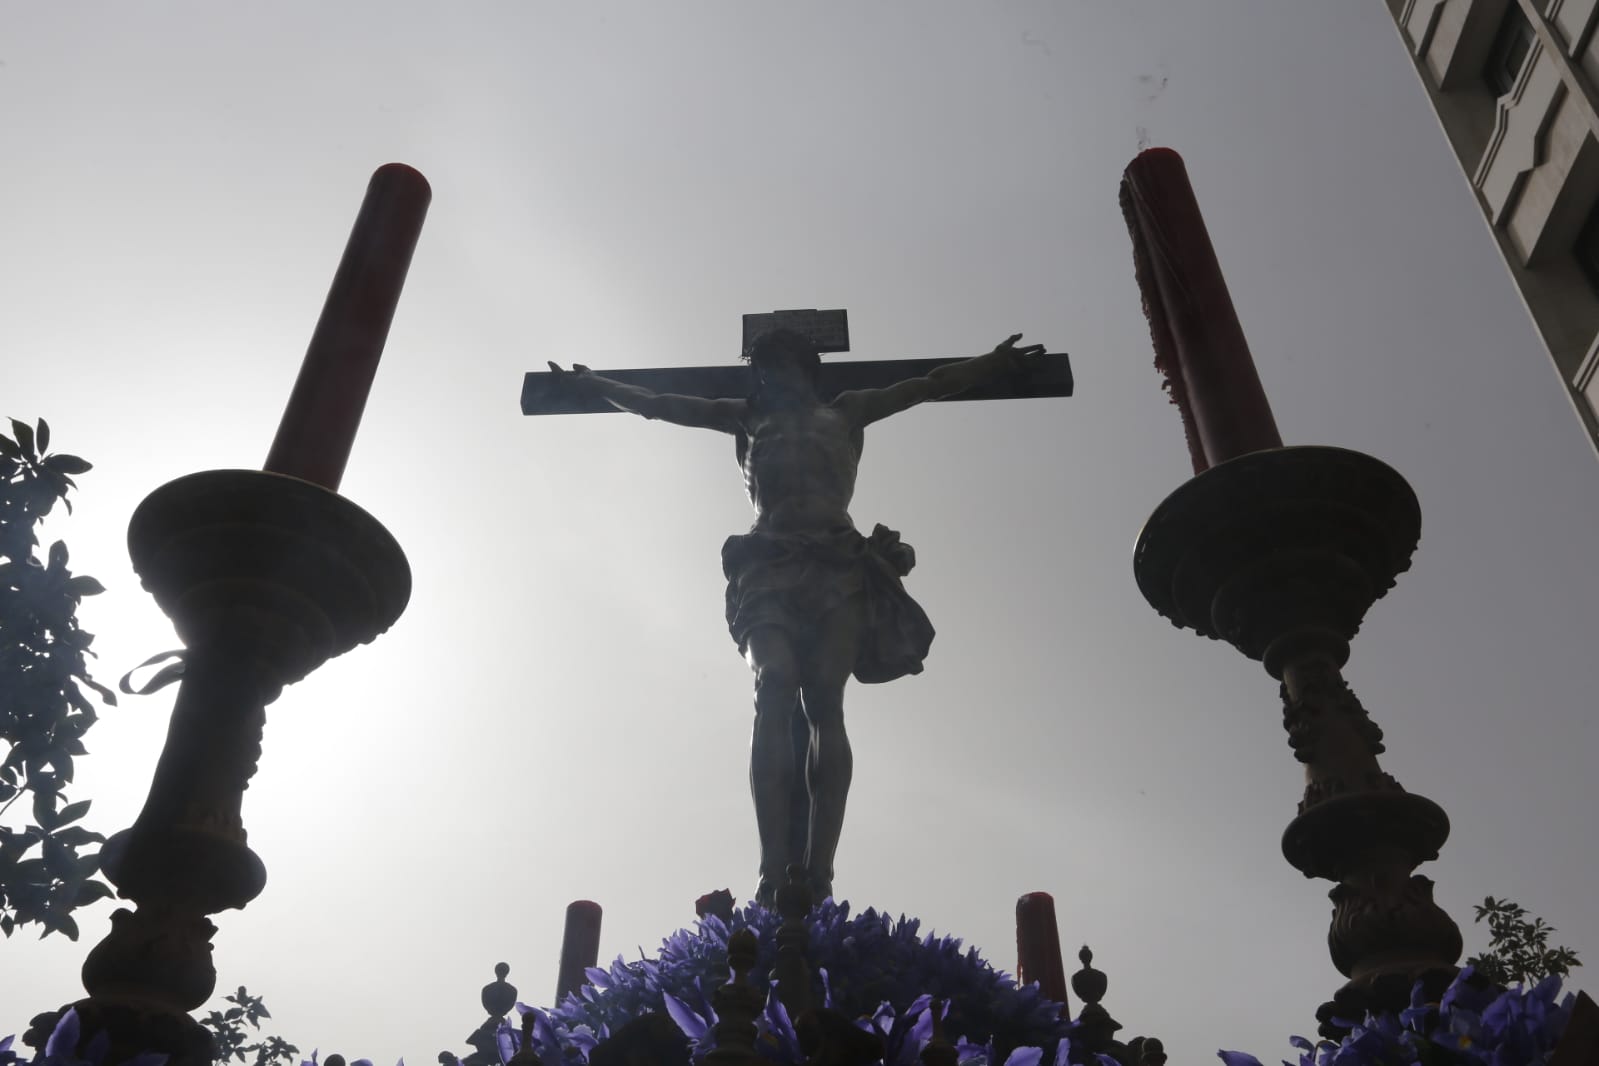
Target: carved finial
794, 899
737, 1005
1096, 1027
792, 971
742, 950
499, 996
1089, 983
939, 1051
525, 1055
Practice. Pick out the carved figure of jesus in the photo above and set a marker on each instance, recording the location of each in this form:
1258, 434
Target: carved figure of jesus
810, 600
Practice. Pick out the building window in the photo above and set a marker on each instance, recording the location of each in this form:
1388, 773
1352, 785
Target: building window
1512, 42
1586, 249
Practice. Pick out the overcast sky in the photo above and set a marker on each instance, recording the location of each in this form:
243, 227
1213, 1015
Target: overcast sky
560, 713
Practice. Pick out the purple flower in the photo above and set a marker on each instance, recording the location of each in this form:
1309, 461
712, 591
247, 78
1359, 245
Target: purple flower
776, 1029
1238, 1058
63, 1042
694, 1027
1473, 1024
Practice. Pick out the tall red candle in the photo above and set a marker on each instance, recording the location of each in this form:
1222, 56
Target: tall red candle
1038, 946
580, 946
1199, 345
318, 425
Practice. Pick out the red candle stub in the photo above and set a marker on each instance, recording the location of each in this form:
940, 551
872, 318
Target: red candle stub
1038, 946
324, 410
1199, 344
580, 946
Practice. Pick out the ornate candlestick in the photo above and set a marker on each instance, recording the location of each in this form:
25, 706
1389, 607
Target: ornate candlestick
265, 577
1281, 553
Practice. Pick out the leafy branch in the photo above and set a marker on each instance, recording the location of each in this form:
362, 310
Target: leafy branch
234, 1041
1519, 950
46, 869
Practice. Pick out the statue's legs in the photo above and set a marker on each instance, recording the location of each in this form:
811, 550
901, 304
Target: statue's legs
774, 765
826, 665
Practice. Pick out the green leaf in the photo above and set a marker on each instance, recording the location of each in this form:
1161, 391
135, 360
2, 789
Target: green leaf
76, 836
67, 464
104, 693
72, 812
9, 449
84, 585
43, 435
24, 435
44, 810
90, 891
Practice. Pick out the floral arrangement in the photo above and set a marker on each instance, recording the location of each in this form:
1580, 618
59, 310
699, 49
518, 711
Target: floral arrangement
883, 972
890, 978
1473, 1022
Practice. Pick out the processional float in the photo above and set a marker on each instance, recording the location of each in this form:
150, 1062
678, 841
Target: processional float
1280, 551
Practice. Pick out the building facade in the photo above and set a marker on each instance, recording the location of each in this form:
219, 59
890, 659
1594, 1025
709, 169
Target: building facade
1513, 83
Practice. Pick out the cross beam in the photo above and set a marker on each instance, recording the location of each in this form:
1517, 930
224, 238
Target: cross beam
1044, 375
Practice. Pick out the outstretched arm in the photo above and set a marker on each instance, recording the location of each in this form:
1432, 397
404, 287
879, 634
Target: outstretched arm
725, 416
870, 405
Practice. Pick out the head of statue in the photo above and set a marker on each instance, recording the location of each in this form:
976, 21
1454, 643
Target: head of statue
785, 363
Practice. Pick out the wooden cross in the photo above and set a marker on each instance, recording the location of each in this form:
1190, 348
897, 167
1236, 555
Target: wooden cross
1046, 375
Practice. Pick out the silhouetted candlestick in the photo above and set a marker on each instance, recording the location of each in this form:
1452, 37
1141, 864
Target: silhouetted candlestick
580, 946
318, 426
1038, 946
1199, 345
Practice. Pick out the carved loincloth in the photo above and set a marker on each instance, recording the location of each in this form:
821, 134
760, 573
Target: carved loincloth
793, 581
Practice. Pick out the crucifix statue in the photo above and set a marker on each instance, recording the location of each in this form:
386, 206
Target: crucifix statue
810, 599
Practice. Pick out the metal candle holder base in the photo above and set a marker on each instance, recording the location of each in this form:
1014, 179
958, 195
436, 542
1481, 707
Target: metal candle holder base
1281, 553
265, 577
